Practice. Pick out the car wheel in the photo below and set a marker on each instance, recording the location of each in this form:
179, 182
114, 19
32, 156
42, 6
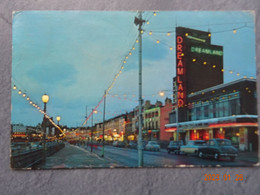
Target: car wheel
168, 151
216, 156
232, 158
200, 154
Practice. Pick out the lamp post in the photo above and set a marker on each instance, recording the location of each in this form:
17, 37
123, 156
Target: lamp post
139, 22
58, 119
45, 99
93, 111
103, 132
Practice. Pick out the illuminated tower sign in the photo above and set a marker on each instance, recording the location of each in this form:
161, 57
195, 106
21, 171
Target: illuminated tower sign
181, 72
199, 64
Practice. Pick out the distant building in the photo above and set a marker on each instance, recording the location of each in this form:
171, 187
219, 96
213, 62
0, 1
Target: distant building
18, 128
151, 121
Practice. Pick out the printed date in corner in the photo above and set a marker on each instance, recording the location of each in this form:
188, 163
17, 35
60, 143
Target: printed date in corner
224, 177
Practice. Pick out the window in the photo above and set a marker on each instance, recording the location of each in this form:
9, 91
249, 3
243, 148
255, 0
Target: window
206, 111
198, 113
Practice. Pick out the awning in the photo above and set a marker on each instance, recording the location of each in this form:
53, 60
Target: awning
231, 121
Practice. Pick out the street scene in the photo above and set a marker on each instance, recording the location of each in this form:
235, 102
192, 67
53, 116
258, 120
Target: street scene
133, 89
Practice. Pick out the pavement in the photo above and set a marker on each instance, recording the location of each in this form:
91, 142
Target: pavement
76, 157
248, 156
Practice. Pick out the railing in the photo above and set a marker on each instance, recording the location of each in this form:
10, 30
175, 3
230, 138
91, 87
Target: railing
28, 158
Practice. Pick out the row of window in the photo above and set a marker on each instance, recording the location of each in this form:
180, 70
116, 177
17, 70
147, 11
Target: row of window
215, 109
151, 125
152, 114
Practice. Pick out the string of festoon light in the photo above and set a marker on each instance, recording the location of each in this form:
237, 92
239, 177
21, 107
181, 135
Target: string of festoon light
123, 64
36, 106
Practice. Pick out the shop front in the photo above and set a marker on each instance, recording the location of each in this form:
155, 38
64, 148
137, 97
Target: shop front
243, 135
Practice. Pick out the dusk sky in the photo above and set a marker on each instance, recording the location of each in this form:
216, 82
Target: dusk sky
73, 56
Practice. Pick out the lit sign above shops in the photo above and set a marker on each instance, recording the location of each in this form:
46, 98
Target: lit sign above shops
180, 72
206, 51
197, 39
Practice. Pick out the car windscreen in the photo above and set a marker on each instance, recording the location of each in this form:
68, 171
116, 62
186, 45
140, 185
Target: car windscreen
199, 143
224, 142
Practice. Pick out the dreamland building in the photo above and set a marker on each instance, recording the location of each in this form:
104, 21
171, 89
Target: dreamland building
206, 107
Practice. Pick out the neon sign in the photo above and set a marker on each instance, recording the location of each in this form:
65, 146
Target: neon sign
206, 51
180, 69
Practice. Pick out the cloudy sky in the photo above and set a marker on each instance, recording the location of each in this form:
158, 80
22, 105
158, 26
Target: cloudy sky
74, 56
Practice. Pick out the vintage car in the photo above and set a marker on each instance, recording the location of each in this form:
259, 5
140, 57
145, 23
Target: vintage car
132, 145
174, 146
192, 147
217, 148
152, 146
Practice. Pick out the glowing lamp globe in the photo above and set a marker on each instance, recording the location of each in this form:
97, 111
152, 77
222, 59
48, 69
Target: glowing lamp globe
58, 118
45, 98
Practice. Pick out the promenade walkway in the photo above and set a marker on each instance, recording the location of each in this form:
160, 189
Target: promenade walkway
75, 157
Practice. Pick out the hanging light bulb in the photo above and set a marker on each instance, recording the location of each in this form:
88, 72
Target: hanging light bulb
147, 22
142, 31
231, 72
133, 48
157, 41
126, 57
28, 98
130, 53
137, 41
124, 61
171, 48
161, 93
31, 102
24, 95
154, 13
20, 92
168, 34
209, 35
234, 31
14, 87
150, 33
186, 34
214, 66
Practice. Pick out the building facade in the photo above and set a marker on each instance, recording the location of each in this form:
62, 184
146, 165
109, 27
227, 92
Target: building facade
223, 111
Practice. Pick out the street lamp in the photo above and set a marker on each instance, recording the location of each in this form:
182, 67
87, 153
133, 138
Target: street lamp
45, 99
93, 111
58, 119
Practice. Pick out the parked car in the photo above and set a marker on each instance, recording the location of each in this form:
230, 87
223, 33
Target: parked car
152, 146
121, 144
217, 148
115, 143
132, 145
192, 147
174, 146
